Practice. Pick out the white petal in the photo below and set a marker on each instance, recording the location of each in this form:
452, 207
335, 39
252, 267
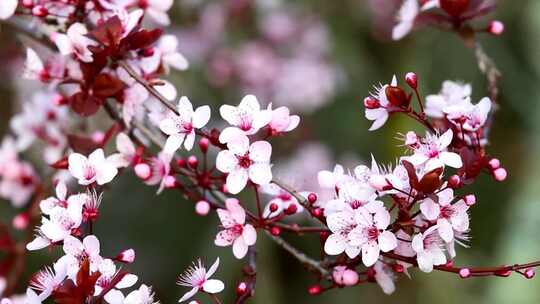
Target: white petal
387, 241
451, 159
188, 295
240, 248
91, 245
212, 268
173, 143
430, 209
260, 151
237, 180
260, 174
226, 161
445, 230
335, 244
127, 281
370, 253
213, 286
201, 116
249, 234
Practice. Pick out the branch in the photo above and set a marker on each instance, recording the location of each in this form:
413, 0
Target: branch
488, 67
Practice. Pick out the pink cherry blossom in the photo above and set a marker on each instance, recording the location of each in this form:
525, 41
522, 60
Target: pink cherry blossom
282, 121
181, 128
410, 9
160, 168
384, 276
452, 94
236, 232
47, 280
341, 224
246, 118
165, 55
243, 161
108, 271
75, 42
127, 151
449, 217
77, 251
433, 153
92, 169
157, 10
198, 278
7, 8
428, 248
280, 202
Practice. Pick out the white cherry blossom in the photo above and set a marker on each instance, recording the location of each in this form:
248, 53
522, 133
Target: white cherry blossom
379, 115
428, 247
47, 280
75, 42
198, 279
433, 152
246, 118
92, 169
243, 161
7, 8
282, 121
181, 128
452, 94
143, 295
409, 10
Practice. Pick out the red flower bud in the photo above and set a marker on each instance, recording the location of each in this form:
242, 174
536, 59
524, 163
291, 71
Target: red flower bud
291, 209
412, 80
275, 231
371, 103
203, 144
193, 161
315, 290
312, 198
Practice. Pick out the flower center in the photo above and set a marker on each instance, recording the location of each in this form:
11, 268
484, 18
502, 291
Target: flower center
244, 161
372, 233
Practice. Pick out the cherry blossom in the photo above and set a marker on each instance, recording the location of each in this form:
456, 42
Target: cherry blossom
371, 233
428, 248
432, 152
246, 118
236, 233
341, 224
127, 151
452, 94
77, 251
165, 54
385, 276
160, 168
108, 271
281, 201
282, 121
92, 169
181, 128
377, 105
198, 279
47, 280
407, 15
449, 217
243, 161
143, 295
157, 10
75, 42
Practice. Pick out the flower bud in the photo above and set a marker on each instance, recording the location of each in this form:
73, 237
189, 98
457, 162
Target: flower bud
40, 11
529, 273
312, 198
21, 221
495, 27
396, 96
203, 144
98, 137
242, 288
291, 209
503, 273
27, 3
170, 181
464, 273
317, 212
315, 290
454, 181
398, 268
350, 277
454, 8
371, 103
275, 231
193, 161
202, 208
126, 256
494, 163
500, 174
412, 80
143, 171
181, 162
470, 199
273, 207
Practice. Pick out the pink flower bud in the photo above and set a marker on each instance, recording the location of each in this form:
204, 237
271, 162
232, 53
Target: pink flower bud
317, 212
529, 273
241, 288
203, 144
464, 273
350, 277
181, 162
202, 208
494, 163
371, 103
496, 27
275, 231
28, 3
273, 207
315, 290
312, 198
170, 181
21, 221
126, 256
143, 171
412, 80
291, 209
500, 174
98, 137
398, 268
193, 161
470, 199
454, 181
40, 11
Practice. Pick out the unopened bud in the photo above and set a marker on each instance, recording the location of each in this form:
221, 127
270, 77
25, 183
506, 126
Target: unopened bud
291, 209
40, 11
398, 268
242, 288
464, 273
350, 277
193, 161
202, 207
371, 103
317, 212
412, 80
275, 231
496, 27
27, 3
315, 290
273, 207
98, 137
529, 273
494, 163
203, 144
396, 96
181, 162
454, 181
143, 171
21, 221
126, 256
500, 174
470, 199
312, 198
170, 181
454, 8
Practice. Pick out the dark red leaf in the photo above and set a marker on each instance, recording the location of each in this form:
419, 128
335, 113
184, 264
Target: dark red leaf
109, 33
81, 144
142, 39
83, 104
106, 85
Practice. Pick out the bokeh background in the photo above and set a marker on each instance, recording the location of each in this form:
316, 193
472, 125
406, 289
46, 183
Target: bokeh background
323, 73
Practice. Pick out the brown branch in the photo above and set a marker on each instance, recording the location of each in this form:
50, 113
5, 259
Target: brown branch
489, 69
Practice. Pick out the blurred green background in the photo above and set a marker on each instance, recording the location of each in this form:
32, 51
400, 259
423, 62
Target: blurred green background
167, 236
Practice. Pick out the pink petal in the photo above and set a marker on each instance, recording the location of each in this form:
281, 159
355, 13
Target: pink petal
430, 209
260, 174
226, 161
387, 241
335, 244
260, 151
